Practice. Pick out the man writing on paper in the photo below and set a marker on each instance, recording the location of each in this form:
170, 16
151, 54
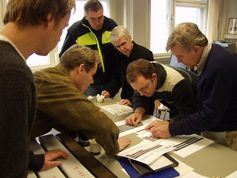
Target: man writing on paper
216, 88
174, 87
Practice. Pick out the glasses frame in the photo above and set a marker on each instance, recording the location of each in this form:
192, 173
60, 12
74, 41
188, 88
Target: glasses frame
122, 44
144, 88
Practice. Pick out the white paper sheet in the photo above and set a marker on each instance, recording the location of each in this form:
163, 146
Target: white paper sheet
146, 151
185, 145
232, 175
117, 109
134, 129
193, 175
183, 169
188, 147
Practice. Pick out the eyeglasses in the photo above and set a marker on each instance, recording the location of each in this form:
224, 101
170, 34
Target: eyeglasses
122, 44
144, 89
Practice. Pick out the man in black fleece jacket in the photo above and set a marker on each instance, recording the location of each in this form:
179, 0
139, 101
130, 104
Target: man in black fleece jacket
93, 31
174, 87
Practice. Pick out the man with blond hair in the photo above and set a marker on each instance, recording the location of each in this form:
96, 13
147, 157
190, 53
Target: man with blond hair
127, 52
30, 27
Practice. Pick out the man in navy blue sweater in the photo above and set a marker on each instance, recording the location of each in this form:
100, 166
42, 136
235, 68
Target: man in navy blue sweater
216, 88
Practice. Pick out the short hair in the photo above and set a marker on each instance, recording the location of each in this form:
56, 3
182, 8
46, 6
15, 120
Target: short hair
140, 67
92, 5
35, 12
119, 32
77, 55
186, 35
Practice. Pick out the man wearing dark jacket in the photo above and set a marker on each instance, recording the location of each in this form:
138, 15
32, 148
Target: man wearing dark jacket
174, 87
216, 88
94, 31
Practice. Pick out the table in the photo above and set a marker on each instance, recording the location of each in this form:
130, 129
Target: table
80, 162
213, 160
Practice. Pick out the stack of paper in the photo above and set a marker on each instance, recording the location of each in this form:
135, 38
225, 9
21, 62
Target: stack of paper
146, 152
117, 109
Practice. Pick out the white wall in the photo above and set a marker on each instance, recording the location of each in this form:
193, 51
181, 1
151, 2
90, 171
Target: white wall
228, 11
134, 15
2, 11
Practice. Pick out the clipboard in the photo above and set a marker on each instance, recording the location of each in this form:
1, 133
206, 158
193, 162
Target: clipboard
166, 161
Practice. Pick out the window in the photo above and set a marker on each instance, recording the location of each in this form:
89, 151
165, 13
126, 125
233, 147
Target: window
195, 12
160, 18
35, 61
166, 14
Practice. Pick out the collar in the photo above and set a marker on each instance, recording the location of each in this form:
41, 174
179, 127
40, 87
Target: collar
161, 74
201, 64
4, 38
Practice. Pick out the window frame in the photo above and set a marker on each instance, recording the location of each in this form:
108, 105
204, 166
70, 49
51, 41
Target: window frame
172, 4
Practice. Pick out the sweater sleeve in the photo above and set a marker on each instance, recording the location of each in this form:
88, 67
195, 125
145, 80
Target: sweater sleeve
114, 83
145, 102
214, 104
82, 115
36, 162
69, 108
184, 99
15, 114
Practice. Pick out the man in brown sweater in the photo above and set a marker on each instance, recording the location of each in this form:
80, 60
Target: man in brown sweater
62, 104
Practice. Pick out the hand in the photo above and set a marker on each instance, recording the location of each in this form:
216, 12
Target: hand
134, 119
125, 102
159, 129
105, 93
50, 158
123, 143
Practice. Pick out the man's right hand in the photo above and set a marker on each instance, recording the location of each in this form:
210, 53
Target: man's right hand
125, 102
123, 143
50, 158
105, 93
134, 119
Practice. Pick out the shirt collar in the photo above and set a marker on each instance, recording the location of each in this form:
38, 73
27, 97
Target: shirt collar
201, 64
4, 38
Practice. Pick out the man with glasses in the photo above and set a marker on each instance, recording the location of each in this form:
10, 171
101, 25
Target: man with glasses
94, 31
173, 87
127, 52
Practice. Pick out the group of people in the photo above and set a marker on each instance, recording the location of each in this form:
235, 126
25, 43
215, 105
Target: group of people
99, 57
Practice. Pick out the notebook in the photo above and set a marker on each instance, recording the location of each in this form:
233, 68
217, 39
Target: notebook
164, 162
